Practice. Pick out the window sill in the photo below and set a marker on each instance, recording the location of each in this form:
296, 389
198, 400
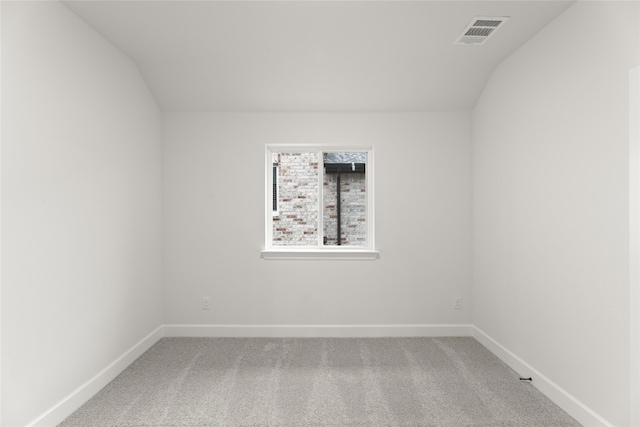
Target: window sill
318, 254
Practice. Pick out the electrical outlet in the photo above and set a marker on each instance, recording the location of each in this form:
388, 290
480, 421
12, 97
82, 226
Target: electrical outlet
457, 303
205, 303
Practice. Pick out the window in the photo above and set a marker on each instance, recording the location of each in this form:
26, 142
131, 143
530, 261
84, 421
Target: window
319, 202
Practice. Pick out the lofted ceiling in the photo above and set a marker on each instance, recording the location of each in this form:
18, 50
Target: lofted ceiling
313, 55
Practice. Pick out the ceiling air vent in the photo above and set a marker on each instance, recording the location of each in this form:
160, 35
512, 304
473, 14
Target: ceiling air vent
480, 29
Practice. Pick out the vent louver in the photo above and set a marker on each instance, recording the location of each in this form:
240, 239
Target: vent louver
480, 29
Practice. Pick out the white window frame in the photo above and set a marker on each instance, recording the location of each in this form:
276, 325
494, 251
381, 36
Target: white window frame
320, 251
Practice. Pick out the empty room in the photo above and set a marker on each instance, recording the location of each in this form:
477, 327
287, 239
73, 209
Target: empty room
320, 213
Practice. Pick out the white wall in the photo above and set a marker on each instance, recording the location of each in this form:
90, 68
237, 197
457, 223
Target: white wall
81, 207
551, 203
634, 243
214, 222
81, 211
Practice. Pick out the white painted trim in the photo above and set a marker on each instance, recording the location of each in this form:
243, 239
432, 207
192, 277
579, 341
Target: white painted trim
61, 410
553, 391
317, 254
272, 331
0, 232
82, 394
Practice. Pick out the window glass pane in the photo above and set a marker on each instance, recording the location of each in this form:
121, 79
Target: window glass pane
296, 222
274, 189
345, 199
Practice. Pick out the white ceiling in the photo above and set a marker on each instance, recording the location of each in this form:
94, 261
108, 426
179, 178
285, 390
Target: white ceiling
313, 55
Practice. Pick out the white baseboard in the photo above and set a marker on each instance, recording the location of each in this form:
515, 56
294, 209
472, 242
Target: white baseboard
56, 414
554, 392
82, 394
341, 331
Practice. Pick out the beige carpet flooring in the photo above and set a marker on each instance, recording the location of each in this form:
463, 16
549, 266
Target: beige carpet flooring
299, 382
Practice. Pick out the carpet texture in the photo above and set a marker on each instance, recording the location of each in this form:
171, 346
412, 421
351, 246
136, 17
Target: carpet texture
299, 382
